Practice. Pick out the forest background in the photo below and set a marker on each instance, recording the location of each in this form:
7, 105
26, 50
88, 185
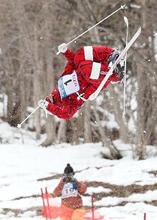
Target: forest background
30, 32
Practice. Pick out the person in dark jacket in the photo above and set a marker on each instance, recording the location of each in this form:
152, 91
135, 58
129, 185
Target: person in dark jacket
70, 191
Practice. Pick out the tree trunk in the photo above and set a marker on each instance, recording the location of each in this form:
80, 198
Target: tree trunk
107, 143
61, 136
87, 124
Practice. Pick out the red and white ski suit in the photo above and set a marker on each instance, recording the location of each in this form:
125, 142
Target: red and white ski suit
91, 65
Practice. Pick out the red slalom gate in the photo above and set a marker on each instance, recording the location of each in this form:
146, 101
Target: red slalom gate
144, 216
94, 215
46, 209
92, 202
51, 212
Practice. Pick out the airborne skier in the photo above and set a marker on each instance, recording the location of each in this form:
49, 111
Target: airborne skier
87, 73
81, 77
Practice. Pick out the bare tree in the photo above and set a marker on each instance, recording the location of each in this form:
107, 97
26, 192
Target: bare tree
30, 33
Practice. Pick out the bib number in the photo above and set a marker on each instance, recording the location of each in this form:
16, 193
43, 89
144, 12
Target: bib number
69, 190
68, 85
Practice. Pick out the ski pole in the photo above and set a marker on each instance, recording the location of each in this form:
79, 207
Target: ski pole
80, 35
125, 61
19, 125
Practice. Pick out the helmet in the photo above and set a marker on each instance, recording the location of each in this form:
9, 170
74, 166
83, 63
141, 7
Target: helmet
68, 171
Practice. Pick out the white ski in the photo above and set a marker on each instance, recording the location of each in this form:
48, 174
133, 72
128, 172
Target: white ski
110, 72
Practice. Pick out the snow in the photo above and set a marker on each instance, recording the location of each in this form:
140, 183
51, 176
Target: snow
23, 168
135, 6
99, 189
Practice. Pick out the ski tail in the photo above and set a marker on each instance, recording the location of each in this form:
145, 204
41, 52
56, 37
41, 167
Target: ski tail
110, 72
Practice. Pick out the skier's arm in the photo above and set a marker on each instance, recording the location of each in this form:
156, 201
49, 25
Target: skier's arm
68, 54
68, 69
57, 191
82, 187
65, 111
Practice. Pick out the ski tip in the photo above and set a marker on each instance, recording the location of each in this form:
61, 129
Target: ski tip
126, 20
140, 29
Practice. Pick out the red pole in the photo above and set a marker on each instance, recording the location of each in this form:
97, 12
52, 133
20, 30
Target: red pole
48, 204
44, 206
144, 216
92, 201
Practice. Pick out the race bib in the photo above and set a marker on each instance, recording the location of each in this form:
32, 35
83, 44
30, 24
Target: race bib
68, 85
69, 190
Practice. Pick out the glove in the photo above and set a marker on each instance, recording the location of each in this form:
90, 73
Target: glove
112, 58
62, 48
49, 98
119, 70
43, 104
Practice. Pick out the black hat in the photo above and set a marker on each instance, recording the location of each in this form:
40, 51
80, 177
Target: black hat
68, 170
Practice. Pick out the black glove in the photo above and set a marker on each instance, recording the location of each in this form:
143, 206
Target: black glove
119, 70
113, 57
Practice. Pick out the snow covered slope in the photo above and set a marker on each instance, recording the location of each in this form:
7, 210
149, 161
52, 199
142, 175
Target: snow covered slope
124, 189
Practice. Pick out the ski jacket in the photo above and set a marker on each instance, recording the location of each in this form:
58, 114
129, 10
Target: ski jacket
70, 193
91, 65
